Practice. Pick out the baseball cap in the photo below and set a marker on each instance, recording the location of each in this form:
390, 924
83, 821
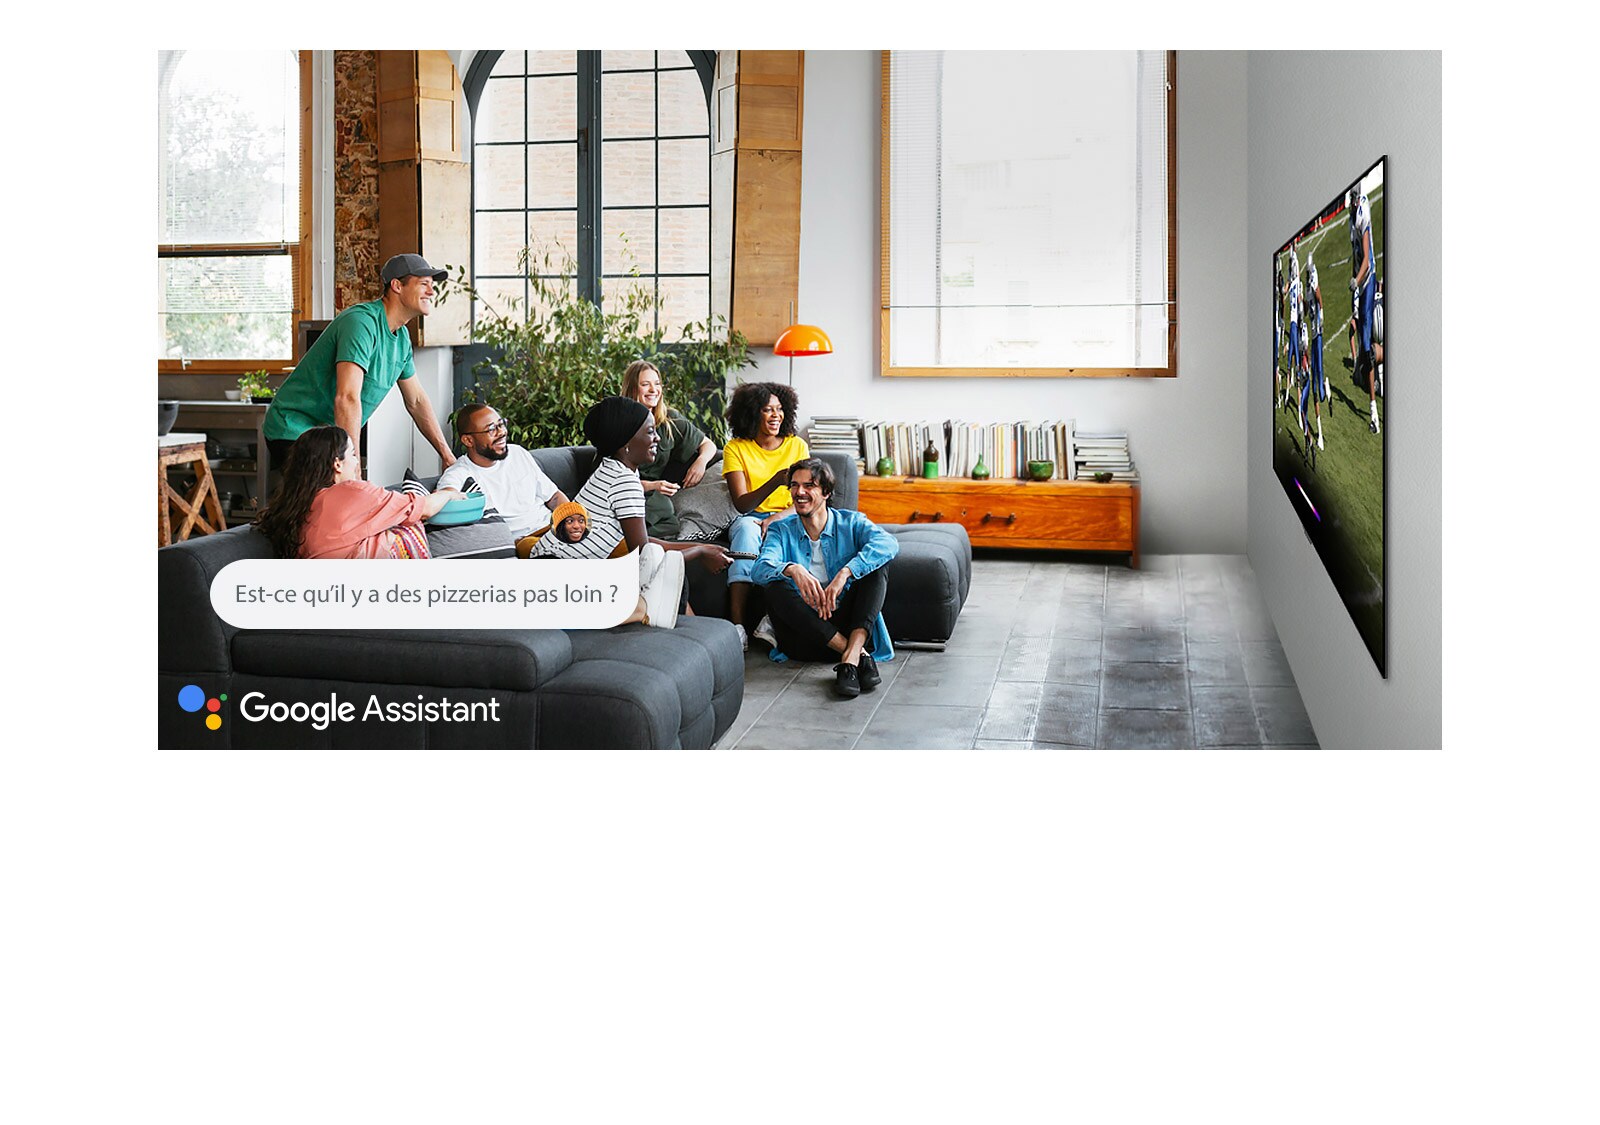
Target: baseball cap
410, 265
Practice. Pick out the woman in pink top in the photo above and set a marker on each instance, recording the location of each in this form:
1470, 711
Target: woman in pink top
324, 510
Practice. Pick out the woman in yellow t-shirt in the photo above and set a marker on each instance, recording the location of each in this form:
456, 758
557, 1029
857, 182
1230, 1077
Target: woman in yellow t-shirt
761, 417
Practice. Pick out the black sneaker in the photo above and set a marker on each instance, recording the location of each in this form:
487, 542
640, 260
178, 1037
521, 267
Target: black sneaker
867, 672
848, 682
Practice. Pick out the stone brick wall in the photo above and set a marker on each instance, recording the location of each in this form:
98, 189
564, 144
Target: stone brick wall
355, 178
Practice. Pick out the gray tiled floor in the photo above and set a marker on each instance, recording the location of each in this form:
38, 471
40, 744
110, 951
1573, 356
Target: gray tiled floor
1058, 655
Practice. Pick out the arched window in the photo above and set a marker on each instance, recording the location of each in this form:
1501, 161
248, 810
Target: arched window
232, 208
602, 156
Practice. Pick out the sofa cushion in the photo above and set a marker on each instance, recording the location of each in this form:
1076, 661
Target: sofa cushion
190, 637
928, 581
721, 642
488, 538
607, 705
952, 536
567, 466
505, 659
681, 658
846, 489
705, 512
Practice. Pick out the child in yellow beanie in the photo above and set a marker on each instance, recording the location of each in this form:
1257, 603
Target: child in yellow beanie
570, 522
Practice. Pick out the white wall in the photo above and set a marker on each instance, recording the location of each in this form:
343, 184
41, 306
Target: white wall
1187, 434
393, 443
1294, 96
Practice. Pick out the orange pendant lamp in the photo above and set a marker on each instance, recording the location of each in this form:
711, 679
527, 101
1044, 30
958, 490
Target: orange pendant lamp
801, 339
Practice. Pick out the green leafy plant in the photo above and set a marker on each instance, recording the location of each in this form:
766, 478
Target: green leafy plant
253, 384
557, 354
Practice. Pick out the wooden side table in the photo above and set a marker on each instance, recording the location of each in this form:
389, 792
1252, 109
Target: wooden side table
200, 507
1049, 515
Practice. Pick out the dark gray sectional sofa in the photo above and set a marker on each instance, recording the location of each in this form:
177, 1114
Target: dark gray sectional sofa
626, 687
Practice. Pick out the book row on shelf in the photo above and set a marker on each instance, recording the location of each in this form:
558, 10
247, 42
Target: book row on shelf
1004, 447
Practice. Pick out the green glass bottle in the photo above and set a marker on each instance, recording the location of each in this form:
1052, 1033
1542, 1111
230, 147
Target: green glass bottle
980, 471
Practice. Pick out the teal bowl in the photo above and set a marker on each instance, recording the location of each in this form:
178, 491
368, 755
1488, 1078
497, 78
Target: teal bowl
466, 508
1041, 470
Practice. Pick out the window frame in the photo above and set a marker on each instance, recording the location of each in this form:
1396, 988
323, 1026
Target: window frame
886, 369
298, 253
589, 254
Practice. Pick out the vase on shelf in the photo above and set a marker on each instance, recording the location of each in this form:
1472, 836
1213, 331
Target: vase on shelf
930, 460
886, 466
980, 471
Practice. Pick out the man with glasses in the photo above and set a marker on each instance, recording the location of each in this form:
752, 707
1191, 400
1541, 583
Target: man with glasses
511, 479
356, 362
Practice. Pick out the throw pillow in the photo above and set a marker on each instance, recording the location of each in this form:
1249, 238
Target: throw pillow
489, 538
705, 512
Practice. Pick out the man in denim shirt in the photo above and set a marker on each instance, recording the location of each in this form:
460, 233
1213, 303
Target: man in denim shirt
826, 572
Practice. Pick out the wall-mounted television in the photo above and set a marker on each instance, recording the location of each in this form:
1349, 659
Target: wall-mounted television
1328, 407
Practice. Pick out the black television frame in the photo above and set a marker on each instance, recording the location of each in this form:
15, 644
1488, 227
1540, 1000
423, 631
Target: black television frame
1308, 475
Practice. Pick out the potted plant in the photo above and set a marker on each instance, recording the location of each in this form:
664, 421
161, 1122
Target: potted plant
558, 354
253, 387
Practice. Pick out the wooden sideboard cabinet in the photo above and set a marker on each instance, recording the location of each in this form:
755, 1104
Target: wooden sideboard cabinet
1063, 515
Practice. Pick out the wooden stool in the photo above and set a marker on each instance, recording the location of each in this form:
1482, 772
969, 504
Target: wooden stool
200, 503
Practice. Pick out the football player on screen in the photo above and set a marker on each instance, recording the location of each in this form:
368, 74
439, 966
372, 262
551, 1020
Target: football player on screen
1311, 334
1277, 332
1363, 291
1294, 324
1305, 393
1377, 333
1314, 303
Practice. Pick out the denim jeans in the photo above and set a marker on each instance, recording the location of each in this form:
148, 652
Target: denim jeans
744, 536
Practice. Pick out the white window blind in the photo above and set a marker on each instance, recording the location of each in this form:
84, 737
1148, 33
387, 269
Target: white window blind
230, 153
228, 209
1027, 211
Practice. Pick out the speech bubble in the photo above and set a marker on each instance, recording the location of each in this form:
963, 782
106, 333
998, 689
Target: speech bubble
436, 594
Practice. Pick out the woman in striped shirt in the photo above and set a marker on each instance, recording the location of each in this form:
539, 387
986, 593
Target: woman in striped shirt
623, 433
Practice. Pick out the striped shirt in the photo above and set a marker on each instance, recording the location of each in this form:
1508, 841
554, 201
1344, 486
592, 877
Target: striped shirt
614, 493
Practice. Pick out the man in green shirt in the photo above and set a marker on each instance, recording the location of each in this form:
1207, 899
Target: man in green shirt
356, 361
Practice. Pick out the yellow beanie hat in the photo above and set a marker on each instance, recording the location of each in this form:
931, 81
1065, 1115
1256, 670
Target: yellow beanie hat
570, 508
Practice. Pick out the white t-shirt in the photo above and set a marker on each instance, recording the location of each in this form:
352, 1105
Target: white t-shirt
819, 563
614, 493
516, 487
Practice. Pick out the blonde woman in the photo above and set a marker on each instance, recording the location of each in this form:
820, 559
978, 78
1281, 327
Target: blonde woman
683, 455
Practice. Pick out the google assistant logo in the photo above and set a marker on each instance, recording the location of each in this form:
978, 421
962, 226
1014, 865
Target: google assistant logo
191, 698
